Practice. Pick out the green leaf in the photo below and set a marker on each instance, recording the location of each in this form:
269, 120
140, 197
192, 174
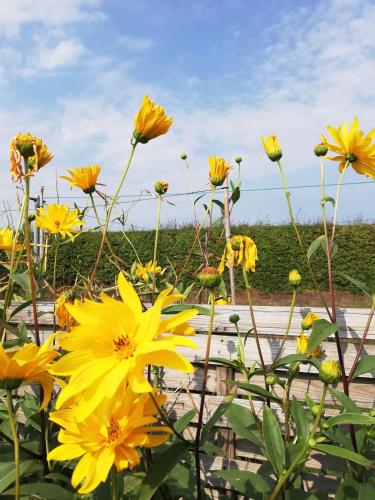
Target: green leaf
350, 418
314, 246
328, 199
158, 472
218, 413
300, 419
182, 307
306, 495
245, 482
7, 472
336, 451
236, 195
359, 284
291, 358
19, 308
212, 449
48, 491
273, 441
321, 330
22, 279
243, 424
257, 390
365, 365
133, 481
352, 490
185, 420
236, 365
349, 405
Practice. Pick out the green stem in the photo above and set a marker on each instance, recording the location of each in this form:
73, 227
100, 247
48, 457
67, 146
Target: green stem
300, 242
203, 396
13, 430
337, 204
54, 277
156, 248
114, 495
292, 306
108, 217
166, 420
305, 449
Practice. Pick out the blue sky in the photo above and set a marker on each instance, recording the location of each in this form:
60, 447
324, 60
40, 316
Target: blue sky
74, 72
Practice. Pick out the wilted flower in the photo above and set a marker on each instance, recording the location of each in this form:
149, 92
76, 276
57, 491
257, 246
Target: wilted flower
84, 178
330, 372
56, 219
239, 250
272, 147
7, 240
62, 314
144, 272
219, 170
150, 121
308, 320
34, 153
353, 146
302, 344
161, 187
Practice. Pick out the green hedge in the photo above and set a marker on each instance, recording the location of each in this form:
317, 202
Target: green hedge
277, 249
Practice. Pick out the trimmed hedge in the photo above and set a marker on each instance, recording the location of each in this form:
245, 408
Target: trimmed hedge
278, 252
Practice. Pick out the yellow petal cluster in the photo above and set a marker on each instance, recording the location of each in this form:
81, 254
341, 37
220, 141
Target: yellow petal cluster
302, 343
64, 318
330, 372
144, 272
308, 320
34, 153
272, 147
150, 121
84, 178
29, 364
57, 219
109, 436
239, 250
113, 343
7, 240
219, 170
354, 146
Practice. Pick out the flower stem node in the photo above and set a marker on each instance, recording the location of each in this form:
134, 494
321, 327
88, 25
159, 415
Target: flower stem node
330, 372
234, 318
294, 278
238, 159
183, 156
161, 187
320, 149
209, 277
271, 379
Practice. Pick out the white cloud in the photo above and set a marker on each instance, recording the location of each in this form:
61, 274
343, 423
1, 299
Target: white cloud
66, 52
136, 44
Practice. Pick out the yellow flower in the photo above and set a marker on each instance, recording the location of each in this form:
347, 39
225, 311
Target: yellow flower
330, 372
223, 302
84, 178
34, 152
219, 170
65, 320
240, 250
113, 343
109, 436
150, 121
302, 343
272, 147
353, 146
7, 240
308, 320
144, 272
56, 219
294, 278
29, 363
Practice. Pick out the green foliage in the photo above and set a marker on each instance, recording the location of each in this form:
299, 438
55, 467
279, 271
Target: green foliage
278, 252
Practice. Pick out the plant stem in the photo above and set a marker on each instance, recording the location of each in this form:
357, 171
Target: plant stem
305, 449
108, 217
54, 278
203, 396
114, 495
166, 420
249, 292
13, 430
156, 248
300, 242
337, 204
363, 339
292, 305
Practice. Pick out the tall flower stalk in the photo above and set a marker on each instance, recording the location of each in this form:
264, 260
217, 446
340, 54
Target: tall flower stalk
156, 246
13, 430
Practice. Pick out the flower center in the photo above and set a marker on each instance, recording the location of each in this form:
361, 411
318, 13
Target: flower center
113, 431
123, 346
57, 224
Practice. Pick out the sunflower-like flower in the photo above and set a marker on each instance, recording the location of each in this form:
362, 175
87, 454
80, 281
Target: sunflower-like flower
219, 170
57, 219
308, 320
240, 250
302, 344
84, 178
112, 344
272, 147
109, 436
150, 121
28, 364
144, 272
7, 240
353, 146
65, 320
34, 153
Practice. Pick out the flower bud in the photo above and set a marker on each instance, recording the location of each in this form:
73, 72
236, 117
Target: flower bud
294, 278
308, 320
161, 187
183, 156
312, 442
320, 149
234, 318
238, 159
330, 372
272, 147
209, 277
315, 410
271, 379
31, 217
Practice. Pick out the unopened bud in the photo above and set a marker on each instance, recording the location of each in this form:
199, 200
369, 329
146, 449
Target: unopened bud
271, 379
209, 277
183, 156
294, 278
315, 410
330, 372
161, 187
320, 149
238, 159
234, 318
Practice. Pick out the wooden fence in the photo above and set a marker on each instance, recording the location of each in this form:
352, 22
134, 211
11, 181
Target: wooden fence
184, 390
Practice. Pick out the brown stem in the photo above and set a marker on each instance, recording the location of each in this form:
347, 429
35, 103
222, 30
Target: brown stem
363, 339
